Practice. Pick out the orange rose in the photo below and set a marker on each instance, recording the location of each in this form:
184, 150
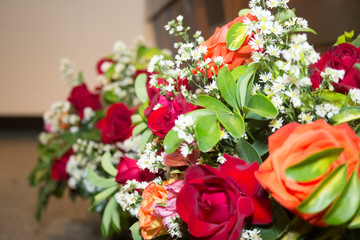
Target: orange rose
150, 226
293, 143
216, 46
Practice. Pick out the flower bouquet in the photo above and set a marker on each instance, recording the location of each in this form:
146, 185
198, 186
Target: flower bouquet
78, 131
250, 134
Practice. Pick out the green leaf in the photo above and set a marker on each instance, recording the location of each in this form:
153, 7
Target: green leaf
345, 207
207, 131
136, 118
172, 141
346, 37
355, 222
357, 66
261, 145
305, 30
110, 97
247, 152
116, 218
201, 112
135, 231
335, 98
100, 181
356, 41
345, 115
313, 166
284, 15
110, 72
238, 71
146, 137
211, 103
80, 78
227, 87
235, 36
107, 165
278, 225
101, 196
140, 87
139, 128
232, 122
107, 216
262, 106
244, 85
329, 189
141, 110
244, 11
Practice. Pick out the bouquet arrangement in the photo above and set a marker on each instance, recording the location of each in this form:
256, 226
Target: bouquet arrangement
250, 134
78, 131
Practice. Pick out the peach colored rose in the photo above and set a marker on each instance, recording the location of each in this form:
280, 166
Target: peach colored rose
293, 143
216, 46
150, 226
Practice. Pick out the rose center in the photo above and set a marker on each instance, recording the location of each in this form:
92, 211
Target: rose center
214, 207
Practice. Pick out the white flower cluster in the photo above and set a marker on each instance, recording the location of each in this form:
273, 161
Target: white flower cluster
151, 160
131, 147
89, 113
67, 72
59, 117
128, 196
332, 75
326, 110
45, 137
184, 126
88, 154
355, 95
173, 226
118, 75
253, 234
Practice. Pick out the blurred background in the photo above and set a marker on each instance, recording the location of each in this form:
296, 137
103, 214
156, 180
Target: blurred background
36, 34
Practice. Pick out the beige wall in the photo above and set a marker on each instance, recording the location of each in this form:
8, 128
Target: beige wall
36, 34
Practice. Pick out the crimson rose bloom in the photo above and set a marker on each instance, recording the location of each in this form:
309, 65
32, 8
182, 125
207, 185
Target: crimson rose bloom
99, 67
216, 202
116, 126
80, 97
162, 120
58, 168
129, 170
341, 57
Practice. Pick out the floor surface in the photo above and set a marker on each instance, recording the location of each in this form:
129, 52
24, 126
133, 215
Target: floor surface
63, 219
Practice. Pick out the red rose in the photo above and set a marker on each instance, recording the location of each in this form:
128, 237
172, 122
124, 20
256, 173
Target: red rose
103, 65
129, 170
58, 168
341, 57
216, 202
80, 97
162, 120
216, 46
116, 126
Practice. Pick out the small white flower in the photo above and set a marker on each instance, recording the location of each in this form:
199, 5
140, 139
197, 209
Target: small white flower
221, 159
196, 55
276, 124
179, 28
266, 76
355, 95
179, 18
256, 42
218, 60
272, 3
305, 117
184, 149
211, 87
273, 50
